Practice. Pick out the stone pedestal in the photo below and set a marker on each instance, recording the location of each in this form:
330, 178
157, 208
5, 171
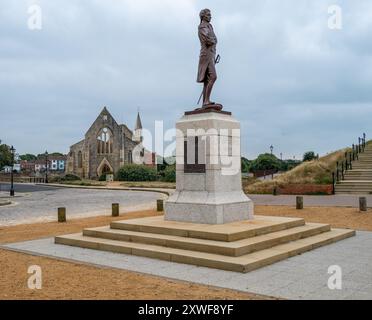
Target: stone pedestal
208, 171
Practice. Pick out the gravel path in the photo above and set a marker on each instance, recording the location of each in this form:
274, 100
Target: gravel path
39, 205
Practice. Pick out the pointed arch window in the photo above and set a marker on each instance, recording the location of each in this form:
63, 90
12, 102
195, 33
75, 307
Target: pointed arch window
80, 159
105, 141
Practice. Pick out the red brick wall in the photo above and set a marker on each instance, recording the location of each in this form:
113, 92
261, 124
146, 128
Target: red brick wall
299, 189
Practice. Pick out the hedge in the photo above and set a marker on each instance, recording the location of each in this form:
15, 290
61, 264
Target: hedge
136, 172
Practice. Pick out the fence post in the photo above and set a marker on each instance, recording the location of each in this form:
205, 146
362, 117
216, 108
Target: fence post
333, 183
351, 165
275, 191
61, 214
299, 202
362, 204
115, 209
160, 205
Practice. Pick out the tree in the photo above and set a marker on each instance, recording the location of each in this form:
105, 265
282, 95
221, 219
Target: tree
310, 155
266, 161
246, 164
5, 156
28, 157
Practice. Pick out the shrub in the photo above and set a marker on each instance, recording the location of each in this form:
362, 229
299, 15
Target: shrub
70, 177
102, 177
310, 155
55, 179
136, 172
170, 174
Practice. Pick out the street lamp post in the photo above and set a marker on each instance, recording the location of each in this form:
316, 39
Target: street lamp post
271, 149
46, 166
281, 156
12, 150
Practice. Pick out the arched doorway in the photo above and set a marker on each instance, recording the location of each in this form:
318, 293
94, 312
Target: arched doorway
104, 168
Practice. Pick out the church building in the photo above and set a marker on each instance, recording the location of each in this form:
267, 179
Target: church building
107, 146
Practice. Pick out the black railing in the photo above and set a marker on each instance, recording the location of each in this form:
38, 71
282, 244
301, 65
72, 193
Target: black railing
347, 162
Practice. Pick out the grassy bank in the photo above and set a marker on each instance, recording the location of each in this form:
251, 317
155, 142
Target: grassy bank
317, 172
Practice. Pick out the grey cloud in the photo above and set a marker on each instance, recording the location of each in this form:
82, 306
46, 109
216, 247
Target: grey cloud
291, 81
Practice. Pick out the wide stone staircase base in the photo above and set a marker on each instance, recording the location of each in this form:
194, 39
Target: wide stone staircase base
238, 246
358, 180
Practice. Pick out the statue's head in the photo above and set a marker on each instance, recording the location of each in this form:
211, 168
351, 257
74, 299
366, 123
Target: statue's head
205, 15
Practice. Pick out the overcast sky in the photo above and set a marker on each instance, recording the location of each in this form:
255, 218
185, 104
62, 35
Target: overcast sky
291, 80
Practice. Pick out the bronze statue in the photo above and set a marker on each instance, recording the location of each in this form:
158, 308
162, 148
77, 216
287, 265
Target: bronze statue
207, 61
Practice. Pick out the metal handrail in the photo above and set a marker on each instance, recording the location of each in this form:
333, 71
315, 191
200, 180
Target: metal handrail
346, 164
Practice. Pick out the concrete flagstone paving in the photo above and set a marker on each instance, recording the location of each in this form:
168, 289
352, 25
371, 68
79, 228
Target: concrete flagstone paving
300, 277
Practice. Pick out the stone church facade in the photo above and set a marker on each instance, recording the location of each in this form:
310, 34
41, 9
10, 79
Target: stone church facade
107, 146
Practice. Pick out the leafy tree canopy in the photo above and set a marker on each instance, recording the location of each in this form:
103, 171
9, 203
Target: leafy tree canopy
5, 156
266, 161
28, 157
310, 155
246, 165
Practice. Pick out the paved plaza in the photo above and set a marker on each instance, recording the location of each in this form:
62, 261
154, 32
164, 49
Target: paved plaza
300, 277
40, 203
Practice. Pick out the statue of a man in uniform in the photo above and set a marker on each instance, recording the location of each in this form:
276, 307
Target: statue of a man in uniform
207, 70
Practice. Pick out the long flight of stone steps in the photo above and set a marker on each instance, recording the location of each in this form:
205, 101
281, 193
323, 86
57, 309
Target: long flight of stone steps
240, 246
359, 179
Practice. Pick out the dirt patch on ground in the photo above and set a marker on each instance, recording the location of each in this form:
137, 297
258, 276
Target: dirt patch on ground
337, 217
66, 280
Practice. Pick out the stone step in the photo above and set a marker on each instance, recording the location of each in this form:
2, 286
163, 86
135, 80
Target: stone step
359, 182
354, 187
235, 248
362, 166
243, 263
358, 173
358, 193
354, 191
357, 178
225, 232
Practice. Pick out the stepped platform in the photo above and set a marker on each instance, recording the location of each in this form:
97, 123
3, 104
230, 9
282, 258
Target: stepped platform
238, 246
358, 180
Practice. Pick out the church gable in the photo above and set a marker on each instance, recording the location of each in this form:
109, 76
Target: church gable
106, 147
105, 119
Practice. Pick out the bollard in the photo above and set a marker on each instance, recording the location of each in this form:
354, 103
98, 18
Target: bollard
160, 205
61, 214
363, 204
299, 203
115, 209
275, 191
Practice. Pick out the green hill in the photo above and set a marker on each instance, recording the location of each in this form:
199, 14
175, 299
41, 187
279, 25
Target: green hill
317, 171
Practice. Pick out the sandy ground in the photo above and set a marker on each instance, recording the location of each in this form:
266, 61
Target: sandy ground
66, 280
348, 218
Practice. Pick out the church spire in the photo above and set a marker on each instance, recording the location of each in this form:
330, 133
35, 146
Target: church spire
138, 129
138, 122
